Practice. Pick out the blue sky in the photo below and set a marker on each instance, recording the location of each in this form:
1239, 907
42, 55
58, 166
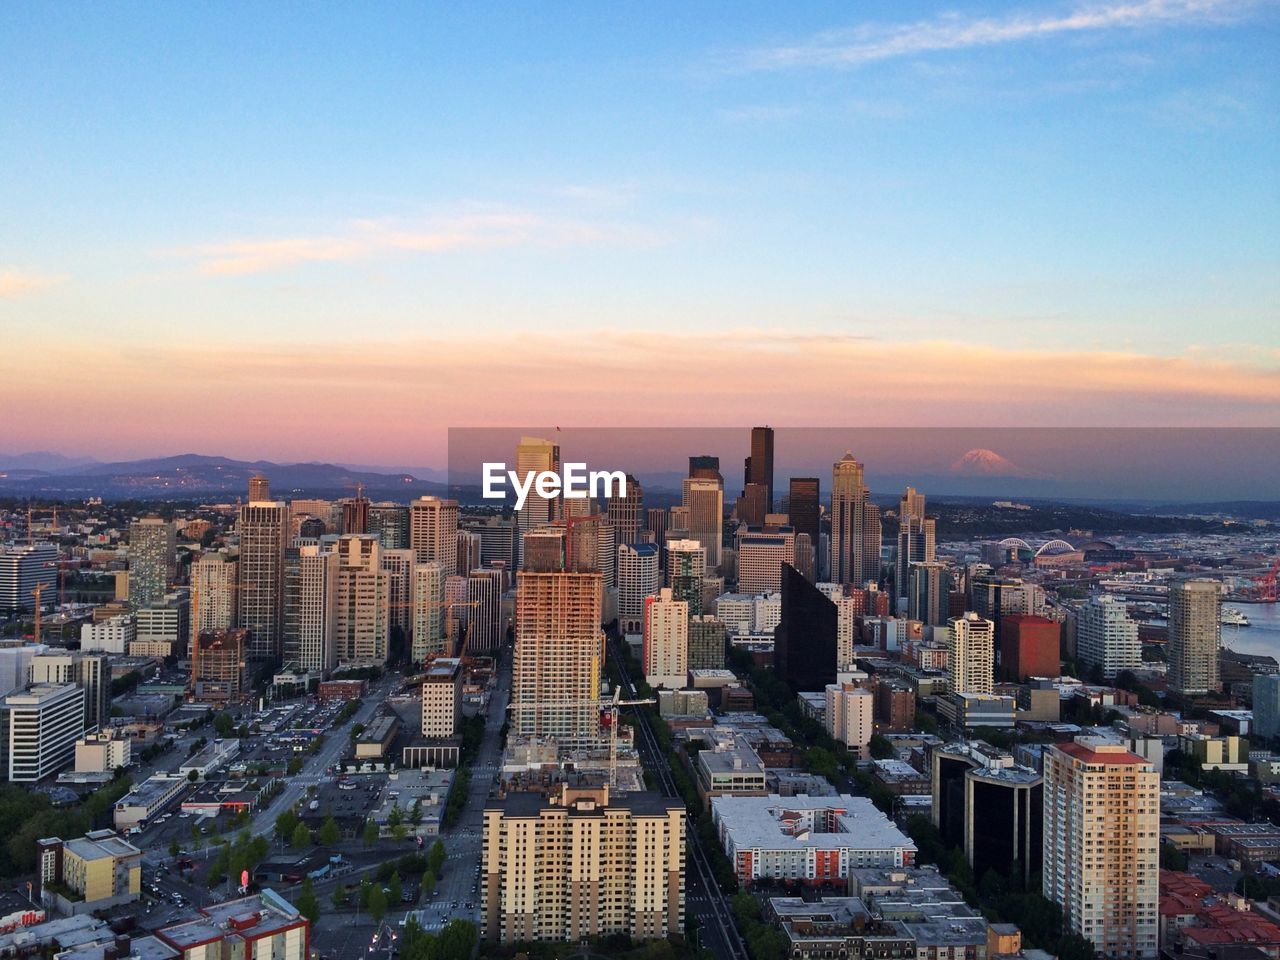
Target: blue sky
1063, 179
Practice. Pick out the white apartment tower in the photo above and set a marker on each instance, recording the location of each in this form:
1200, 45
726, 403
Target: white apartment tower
666, 641
971, 653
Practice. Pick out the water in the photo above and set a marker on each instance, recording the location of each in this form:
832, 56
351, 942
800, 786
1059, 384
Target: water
1262, 637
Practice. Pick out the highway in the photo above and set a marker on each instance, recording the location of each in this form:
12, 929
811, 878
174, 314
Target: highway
703, 896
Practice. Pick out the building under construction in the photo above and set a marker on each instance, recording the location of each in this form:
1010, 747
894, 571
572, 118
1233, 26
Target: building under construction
219, 671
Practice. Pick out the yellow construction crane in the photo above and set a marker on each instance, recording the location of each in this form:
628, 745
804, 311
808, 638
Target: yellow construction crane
35, 594
31, 512
607, 708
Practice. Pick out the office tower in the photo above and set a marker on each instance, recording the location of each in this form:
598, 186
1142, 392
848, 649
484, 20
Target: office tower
994, 597
112, 635
678, 523
542, 550
638, 577
311, 598
930, 593
804, 646
15, 663
759, 466
991, 807
398, 565
849, 716
666, 640
917, 536
626, 512
806, 558
164, 628
1266, 705
559, 650
259, 489
803, 507
219, 668
705, 468
390, 523
657, 521
468, 552
484, 611
686, 566
607, 553
761, 557
707, 641
151, 557
45, 720
1195, 634
307, 528
534, 456
442, 698
497, 541
751, 507
971, 653
90, 672
263, 527
582, 543
455, 614
428, 611
355, 513
327, 512
1102, 845
855, 526
1029, 647
215, 580
581, 864
433, 532
21, 570
362, 619
704, 499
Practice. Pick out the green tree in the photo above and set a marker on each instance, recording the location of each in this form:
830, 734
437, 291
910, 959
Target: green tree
395, 887
174, 848
286, 823
329, 832
377, 904
366, 888
294, 766
435, 859
396, 816
193, 775
224, 724
307, 903
881, 748
301, 836
415, 812
370, 833
428, 882
457, 940
339, 896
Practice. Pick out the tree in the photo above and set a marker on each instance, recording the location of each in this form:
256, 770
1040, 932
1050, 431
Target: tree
881, 748
456, 940
294, 767
415, 812
435, 859
370, 833
395, 887
301, 836
429, 882
329, 832
223, 724
339, 896
366, 889
174, 849
193, 775
377, 904
285, 824
307, 903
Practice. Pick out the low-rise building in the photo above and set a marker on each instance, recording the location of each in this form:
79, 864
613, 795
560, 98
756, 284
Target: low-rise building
730, 768
262, 925
838, 927
210, 758
965, 711
376, 739
103, 752
93, 872
147, 800
1216, 753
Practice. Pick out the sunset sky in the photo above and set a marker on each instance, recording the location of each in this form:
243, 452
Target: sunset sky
332, 231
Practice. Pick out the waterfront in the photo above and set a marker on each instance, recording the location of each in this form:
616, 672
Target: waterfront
1262, 637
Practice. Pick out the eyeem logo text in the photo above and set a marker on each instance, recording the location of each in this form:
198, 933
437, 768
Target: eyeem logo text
575, 483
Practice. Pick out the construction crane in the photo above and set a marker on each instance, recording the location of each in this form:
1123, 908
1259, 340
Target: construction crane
31, 512
35, 595
1265, 585
608, 709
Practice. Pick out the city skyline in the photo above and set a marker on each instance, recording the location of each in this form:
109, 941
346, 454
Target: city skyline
1050, 213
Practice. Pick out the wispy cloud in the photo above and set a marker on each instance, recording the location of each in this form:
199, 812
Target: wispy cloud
16, 283
872, 42
484, 229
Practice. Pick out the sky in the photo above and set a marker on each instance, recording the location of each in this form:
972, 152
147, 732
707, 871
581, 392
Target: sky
334, 231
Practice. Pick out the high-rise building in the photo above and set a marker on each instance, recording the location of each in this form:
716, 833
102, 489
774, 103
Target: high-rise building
429, 638
759, 466
151, 559
390, 522
626, 512
264, 528
1102, 845
752, 505
497, 541
707, 641
705, 467
219, 668
310, 619
90, 672
849, 716
761, 557
582, 864
1107, 637
559, 653
484, 611
15, 663
657, 520
803, 507
686, 566
666, 640
259, 489
929, 600
855, 525
398, 565
535, 456
704, 500
917, 535
442, 698
1266, 705
1195, 635
362, 618
638, 578
21, 570
607, 553
806, 557
215, 579
355, 514
804, 646
1029, 647
45, 720
470, 548
542, 549
971, 654
433, 532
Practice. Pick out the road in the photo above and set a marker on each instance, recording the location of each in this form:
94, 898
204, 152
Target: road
703, 897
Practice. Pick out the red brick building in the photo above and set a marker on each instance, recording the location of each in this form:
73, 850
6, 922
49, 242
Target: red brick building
1029, 647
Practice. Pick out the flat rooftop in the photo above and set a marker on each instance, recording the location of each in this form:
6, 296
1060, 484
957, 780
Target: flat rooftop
775, 822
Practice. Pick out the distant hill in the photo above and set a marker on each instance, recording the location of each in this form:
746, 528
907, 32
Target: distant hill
193, 475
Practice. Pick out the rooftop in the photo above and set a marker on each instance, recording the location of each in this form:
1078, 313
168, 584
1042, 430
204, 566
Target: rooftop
802, 821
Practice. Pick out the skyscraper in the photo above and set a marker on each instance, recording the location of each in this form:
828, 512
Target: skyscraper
151, 559
759, 466
355, 514
1195, 635
88, 671
626, 512
803, 507
534, 456
433, 532
686, 567
362, 620
214, 585
855, 525
707, 640
259, 489
916, 544
1102, 845
804, 645
971, 655
428, 612
264, 529
559, 650
1107, 637
311, 597
761, 557
390, 521
1029, 647
705, 467
484, 611
21, 569
638, 577
929, 596
704, 499
666, 640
